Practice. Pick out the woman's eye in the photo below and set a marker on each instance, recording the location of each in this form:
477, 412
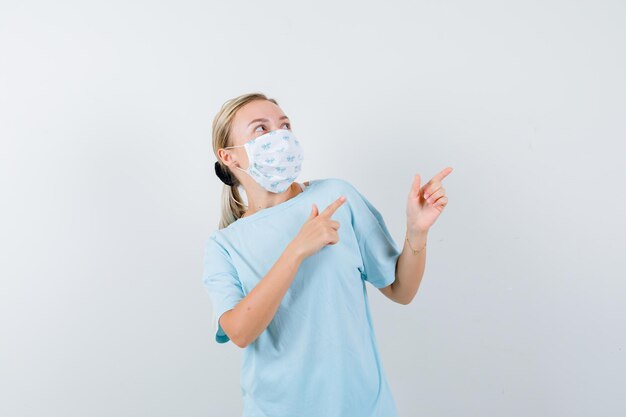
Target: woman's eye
263, 126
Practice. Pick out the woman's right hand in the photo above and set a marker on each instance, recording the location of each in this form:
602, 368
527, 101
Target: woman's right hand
318, 231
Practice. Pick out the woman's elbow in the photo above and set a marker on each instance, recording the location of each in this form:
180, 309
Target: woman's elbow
228, 321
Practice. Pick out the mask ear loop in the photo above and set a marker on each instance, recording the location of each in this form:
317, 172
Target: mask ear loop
231, 195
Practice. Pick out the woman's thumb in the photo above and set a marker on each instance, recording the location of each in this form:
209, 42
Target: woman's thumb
314, 212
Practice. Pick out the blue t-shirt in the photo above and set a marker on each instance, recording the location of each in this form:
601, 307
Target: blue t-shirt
318, 357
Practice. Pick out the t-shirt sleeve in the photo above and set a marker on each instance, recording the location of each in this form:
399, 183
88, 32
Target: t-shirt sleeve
378, 249
222, 283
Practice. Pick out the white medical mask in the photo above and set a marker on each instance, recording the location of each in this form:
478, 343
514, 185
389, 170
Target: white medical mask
274, 159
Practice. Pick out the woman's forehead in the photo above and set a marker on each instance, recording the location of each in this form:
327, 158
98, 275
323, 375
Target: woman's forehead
258, 109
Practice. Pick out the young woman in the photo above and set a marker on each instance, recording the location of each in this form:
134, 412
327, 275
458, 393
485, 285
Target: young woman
287, 281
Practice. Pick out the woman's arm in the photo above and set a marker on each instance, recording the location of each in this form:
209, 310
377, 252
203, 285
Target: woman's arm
251, 316
424, 205
409, 269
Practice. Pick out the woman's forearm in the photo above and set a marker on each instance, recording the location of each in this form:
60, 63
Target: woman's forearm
251, 316
410, 267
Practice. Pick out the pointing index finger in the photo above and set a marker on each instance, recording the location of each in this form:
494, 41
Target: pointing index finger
332, 207
442, 174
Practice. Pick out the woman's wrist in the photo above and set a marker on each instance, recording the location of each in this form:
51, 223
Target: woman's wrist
414, 233
293, 252
416, 239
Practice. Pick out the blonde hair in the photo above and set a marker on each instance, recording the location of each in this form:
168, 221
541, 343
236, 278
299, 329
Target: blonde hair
232, 204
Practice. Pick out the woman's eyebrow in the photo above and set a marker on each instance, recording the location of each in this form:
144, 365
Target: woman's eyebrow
266, 120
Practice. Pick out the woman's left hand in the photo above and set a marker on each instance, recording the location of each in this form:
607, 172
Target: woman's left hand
426, 204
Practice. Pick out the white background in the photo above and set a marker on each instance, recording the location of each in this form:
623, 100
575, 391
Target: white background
108, 194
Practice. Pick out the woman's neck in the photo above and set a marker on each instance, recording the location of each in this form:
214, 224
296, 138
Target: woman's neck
295, 188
